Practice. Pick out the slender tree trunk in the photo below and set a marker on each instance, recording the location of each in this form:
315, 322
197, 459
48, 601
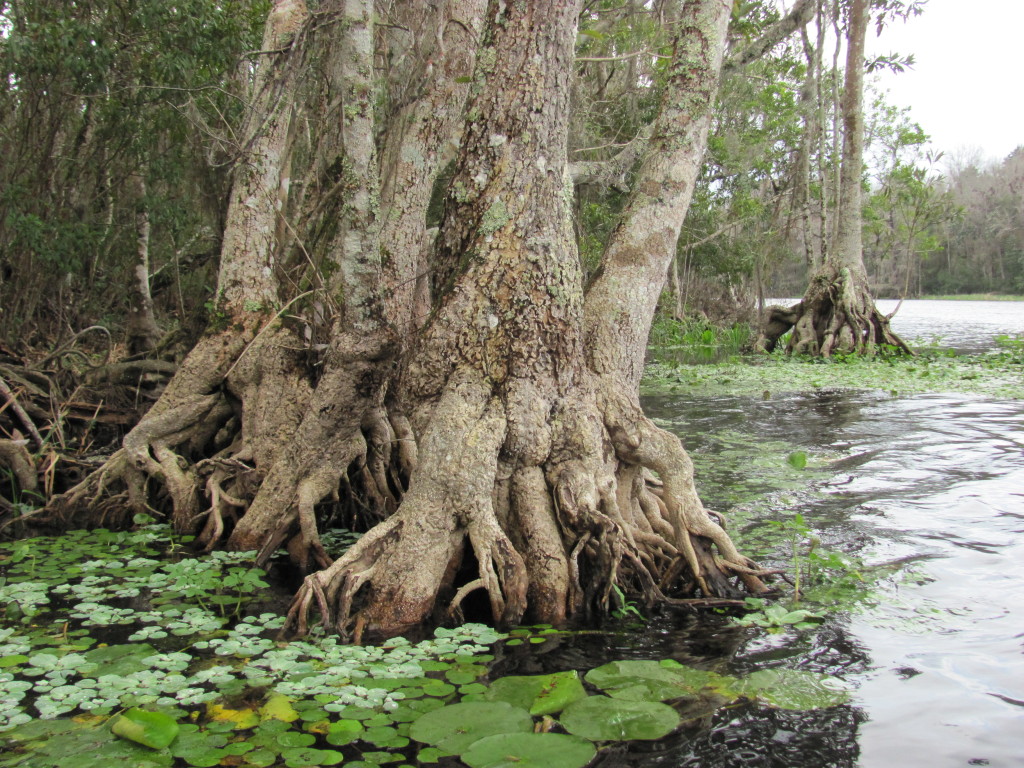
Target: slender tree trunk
809, 100
143, 332
849, 245
838, 313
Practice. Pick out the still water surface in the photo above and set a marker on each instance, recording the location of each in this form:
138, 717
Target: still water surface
929, 492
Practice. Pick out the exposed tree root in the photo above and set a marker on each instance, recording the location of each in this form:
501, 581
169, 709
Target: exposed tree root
836, 315
547, 500
15, 458
601, 499
221, 446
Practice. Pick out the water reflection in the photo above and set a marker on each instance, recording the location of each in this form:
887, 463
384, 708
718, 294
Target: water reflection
929, 491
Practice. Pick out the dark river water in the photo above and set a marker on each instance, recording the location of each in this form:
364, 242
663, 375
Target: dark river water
928, 493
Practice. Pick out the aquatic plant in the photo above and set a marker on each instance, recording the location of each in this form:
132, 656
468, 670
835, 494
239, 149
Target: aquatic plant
776, 616
134, 653
996, 374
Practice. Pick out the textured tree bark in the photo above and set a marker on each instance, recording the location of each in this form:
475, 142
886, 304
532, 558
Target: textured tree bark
429, 83
505, 450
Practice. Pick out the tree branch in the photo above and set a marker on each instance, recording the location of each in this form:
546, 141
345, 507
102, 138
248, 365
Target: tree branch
801, 14
612, 172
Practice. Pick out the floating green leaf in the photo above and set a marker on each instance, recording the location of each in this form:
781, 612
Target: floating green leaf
71, 744
279, 707
640, 680
455, 727
260, 758
797, 459
539, 694
294, 739
151, 729
121, 659
601, 718
794, 689
306, 757
343, 732
529, 750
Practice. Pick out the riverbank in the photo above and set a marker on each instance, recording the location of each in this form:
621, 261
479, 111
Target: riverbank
974, 297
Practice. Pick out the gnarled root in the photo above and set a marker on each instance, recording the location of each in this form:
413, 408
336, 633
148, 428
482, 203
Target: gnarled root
836, 315
403, 562
547, 515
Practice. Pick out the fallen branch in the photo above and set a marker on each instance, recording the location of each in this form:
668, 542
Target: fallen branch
12, 403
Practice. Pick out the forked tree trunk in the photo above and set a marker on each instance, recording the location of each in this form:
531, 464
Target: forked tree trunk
505, 452
838, 313
539, 480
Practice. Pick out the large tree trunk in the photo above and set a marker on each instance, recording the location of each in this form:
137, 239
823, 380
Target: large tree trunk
504, 449
539, 480
838, 313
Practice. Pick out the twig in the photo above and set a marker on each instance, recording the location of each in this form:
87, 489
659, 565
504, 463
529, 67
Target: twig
20, 413
62, 350
263, 330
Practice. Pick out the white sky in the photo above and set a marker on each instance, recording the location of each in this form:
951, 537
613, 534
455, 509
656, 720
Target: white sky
967, 86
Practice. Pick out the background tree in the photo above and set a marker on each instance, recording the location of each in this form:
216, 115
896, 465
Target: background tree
982, 248
109, 111
838, 313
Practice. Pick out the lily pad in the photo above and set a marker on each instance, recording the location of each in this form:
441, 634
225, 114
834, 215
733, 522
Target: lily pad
120, 660
455, 727
151, 729
343, 732
306, 757
794, 689
83, 745
260, 758
279, 707
529, 750
602, 718
240, 719
638, 680
539, 694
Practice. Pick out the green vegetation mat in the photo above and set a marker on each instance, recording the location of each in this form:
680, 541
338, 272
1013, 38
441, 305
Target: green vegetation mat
124, 647
999, 374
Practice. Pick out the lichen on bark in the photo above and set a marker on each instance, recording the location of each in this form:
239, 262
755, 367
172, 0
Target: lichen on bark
500, 452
